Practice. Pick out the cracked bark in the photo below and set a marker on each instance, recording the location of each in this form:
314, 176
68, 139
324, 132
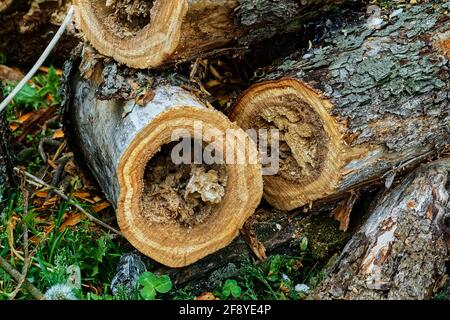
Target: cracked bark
400, 251
356, 105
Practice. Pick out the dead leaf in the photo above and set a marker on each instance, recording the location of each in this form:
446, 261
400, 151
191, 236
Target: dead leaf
71, 220
59, 72
207, 296
101, 206
14, 126
41, 194
344, 209
83, 196
250, 237
145, 97
10, 74
50, 201
58, 134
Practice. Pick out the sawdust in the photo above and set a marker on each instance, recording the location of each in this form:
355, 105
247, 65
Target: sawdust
186, 193
125, 18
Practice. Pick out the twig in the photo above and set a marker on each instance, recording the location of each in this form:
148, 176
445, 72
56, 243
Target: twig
35, 292
27, 259
41, 60
62, 195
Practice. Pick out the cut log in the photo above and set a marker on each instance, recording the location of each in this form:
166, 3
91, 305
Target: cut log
365, 101
28, 26
400, 251
151, 34
173, 213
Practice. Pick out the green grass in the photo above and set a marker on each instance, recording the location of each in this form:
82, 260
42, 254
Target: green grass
93, 251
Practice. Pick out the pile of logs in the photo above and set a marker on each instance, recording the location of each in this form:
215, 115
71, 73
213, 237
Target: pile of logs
367, 100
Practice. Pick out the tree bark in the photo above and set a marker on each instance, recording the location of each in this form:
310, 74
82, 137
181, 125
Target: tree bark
6, 158
400, 251
121, 135
27, 28
152, 34
368, 99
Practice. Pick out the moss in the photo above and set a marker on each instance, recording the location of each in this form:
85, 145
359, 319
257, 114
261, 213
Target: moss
323, 235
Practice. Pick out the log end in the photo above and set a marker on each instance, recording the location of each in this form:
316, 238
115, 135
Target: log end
311, 144
213, 203
141, 35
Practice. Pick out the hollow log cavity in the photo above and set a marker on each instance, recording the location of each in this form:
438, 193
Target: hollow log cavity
125, 18
174, 211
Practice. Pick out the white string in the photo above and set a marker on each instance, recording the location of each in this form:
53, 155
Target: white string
41, 60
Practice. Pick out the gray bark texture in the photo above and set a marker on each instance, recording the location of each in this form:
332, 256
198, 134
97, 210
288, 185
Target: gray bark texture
266, 19
388, 84
400, 251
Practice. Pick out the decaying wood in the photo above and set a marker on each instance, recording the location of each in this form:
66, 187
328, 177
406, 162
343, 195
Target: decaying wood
150, 34
5, 4
400, 251
122, 140
28, 26
369, 98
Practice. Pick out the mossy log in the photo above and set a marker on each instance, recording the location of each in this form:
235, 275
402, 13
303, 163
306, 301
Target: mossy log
174, 213
279, 233
400, 251
28, 26
366, 100
151, 34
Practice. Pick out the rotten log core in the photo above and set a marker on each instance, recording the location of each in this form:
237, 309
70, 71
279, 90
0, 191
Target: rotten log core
158, 33
356, 106
400, 251
174, 213
185, 193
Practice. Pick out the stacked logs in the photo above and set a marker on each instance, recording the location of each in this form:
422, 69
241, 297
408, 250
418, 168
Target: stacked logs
369, 98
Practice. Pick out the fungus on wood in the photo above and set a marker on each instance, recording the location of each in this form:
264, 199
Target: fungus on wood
400, 251
353, 108
151, 34
175, 213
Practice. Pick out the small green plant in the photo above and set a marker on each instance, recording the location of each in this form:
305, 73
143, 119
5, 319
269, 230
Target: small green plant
42, 91
153, 284
231, 288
